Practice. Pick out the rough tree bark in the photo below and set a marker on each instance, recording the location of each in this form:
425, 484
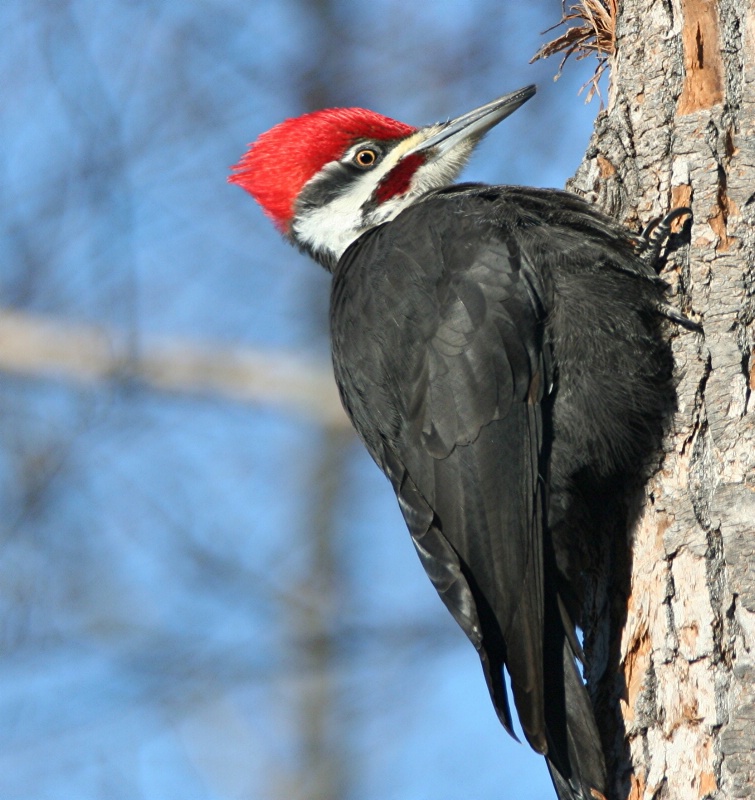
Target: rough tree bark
672, 630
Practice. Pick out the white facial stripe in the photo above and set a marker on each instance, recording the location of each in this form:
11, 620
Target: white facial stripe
334, 226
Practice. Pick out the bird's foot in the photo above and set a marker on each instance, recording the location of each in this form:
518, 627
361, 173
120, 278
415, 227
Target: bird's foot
657, 232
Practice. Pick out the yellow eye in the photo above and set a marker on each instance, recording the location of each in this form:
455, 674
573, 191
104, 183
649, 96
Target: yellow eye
365, 157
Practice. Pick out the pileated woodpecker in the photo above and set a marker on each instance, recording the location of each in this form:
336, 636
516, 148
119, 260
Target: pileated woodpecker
499, 350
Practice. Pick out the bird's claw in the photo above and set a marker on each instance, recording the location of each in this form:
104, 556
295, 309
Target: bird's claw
651, 240
657, 232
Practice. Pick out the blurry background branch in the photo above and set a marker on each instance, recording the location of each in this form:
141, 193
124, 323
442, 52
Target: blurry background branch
41, 346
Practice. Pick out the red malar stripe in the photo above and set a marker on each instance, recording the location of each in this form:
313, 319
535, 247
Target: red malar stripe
398, 180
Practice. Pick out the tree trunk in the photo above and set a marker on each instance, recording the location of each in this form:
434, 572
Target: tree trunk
671, 639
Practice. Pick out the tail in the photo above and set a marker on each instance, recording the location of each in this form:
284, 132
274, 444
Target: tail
575, 755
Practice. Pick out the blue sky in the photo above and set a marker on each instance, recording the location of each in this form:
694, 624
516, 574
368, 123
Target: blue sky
154, 549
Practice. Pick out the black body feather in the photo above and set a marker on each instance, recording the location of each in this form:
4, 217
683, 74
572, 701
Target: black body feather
499, 351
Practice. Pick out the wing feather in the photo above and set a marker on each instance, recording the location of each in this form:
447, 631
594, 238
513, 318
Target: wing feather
438, 349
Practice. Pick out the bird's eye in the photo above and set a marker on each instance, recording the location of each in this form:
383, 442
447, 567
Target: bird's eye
366, 157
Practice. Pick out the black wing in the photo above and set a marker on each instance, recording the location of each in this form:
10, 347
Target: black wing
437, 328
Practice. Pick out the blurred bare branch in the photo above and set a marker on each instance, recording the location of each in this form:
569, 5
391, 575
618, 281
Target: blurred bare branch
36, 345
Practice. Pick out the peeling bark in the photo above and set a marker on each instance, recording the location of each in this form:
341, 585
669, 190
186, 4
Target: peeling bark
671, 628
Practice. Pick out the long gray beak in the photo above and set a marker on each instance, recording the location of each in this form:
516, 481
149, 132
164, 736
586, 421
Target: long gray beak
473, 124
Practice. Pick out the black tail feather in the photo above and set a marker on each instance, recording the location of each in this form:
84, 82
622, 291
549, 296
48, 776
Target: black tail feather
575, 754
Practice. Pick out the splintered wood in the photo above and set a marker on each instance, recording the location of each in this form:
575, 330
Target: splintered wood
703, 82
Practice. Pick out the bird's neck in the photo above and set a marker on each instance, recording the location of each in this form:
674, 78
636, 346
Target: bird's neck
326, 232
